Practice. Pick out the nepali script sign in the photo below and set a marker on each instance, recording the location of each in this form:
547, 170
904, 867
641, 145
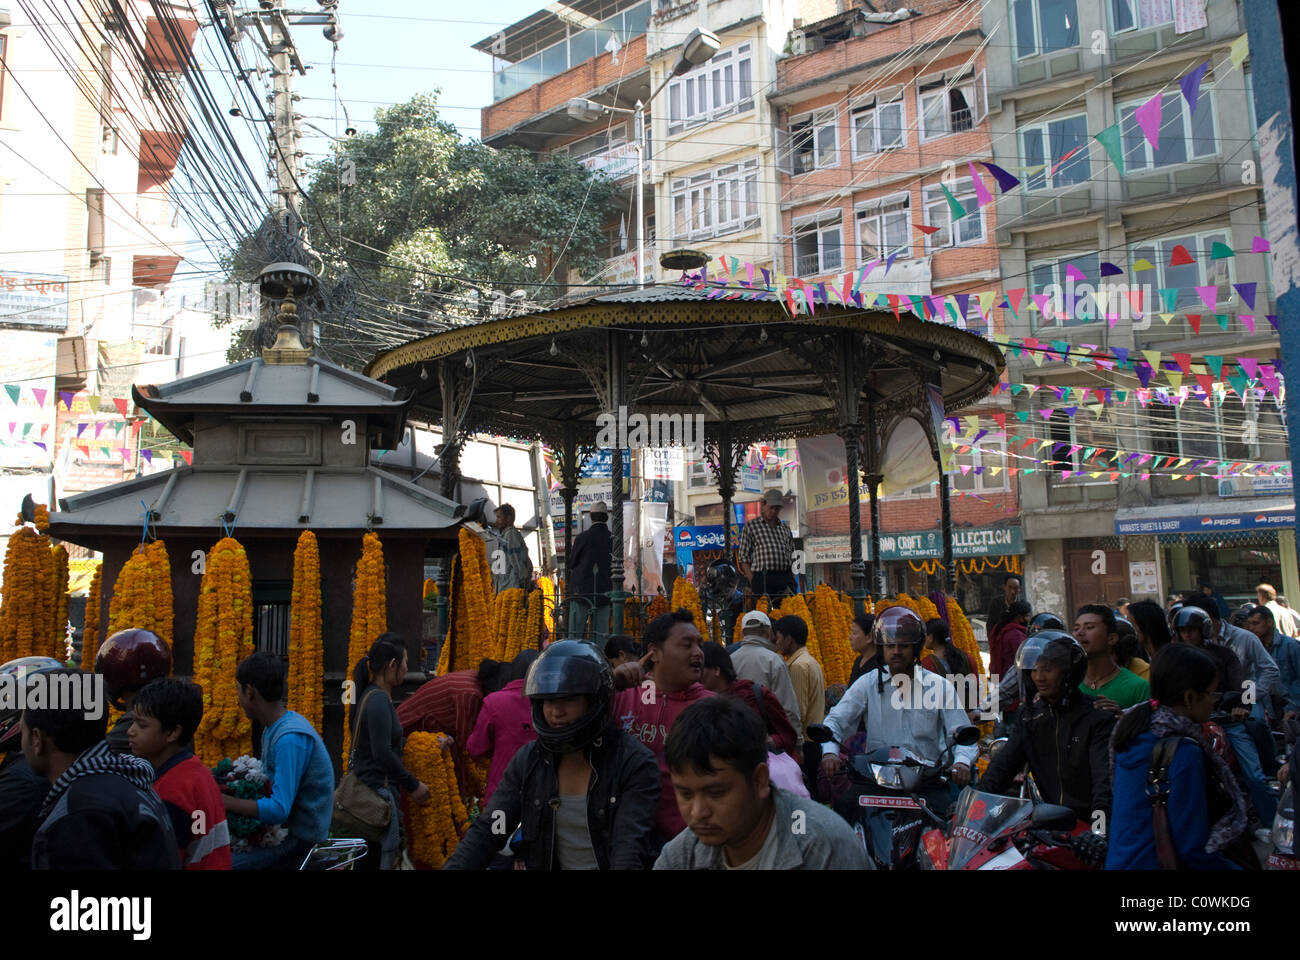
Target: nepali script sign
34, 300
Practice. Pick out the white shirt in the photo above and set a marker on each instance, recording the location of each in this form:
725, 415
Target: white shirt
1284, 618
922, 715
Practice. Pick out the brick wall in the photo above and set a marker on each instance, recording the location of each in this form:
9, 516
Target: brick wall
575, 82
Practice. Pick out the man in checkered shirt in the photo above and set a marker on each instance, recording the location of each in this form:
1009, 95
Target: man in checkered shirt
767, 550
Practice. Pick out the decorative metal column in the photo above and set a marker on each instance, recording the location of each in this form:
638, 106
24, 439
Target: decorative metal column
617, 376
872, 476
724, 460
850, 389
449, 467
566, 456
949, 567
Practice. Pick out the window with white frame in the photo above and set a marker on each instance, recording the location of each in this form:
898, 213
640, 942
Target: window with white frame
700, 475
938, 213
819, 244
1046, 144
1061, 428
1044, 26
878, 123
814, 141
1069, 306
884, 227
1220, 431
1139, 14
723, 86
988, 454
716, 202
1203, 272
951, 103
1183, 136
595, 144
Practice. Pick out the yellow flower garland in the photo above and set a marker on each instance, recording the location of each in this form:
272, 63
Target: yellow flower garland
142, 593
223, 636
548, 604
60, 600
474, 605
434, 828
685, 596
306, 650
369, 615
161, 572
90, 639
23, 608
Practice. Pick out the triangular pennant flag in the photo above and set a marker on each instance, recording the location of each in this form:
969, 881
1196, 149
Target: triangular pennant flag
1206, 382
1222, 320
126, 454
1247, 291
1142, 263
1259, 245
1272, 319
1220, 251
1144, 374
1247, 321
1195, 320
84, 448
67, 396
15, 392
1209, 295
1153, 360
1238, 381
1175, 379
1014, 297
81, 428
1184, 361
1214, 365
1110, 270
121, 404
1135, 300
1238, 52
1075, 274
1249, 366
188, 456
955, 208
1179, 257
148, 455
1148, 118
982, 195
962, 300
1110, 140
40, 394
926, 228
1006, 181
1191, 85
1166, 317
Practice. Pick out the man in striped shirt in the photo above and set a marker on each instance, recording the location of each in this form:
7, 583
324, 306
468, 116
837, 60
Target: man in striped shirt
767, 550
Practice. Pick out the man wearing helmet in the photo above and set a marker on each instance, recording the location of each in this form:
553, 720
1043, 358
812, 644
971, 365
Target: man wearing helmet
1059, 733
21, 788
896, 701
128, 660
584, 793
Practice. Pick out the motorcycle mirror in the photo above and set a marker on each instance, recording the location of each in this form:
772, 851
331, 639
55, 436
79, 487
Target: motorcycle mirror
1049, 816
820, 733
996, 746
966, 736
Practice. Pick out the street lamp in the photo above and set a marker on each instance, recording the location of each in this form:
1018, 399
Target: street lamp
700, 46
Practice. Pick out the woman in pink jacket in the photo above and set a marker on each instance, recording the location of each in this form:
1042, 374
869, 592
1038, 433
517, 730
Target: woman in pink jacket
505, 723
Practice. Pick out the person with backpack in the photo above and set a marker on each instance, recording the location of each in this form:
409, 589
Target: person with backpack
1175, 802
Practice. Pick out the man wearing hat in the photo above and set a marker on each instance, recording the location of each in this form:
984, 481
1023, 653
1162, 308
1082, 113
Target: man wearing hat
590, 585
767, 550
756, 659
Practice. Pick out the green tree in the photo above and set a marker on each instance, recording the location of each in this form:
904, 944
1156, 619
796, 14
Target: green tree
431, 221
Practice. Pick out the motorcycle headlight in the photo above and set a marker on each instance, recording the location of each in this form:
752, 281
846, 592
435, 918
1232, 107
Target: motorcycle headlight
1284, 833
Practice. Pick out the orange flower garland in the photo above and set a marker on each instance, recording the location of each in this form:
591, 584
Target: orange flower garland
142, 594
369, 614
223, 636
533, 623
90, 639
795, 606
60, 599
161, 570
686, 596
658, 607
454, 617
23, 617
548, 604
434, 828
963, 635
473, 627
306, 651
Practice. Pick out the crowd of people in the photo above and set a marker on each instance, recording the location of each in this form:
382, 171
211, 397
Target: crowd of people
670, 752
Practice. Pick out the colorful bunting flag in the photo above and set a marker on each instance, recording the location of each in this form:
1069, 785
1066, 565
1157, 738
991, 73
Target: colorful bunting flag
1110, 141
1191, 85
1006, 181
1179, 257
1148, 118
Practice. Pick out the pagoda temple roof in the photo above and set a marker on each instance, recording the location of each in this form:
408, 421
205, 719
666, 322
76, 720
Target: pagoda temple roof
255, 500
256, 387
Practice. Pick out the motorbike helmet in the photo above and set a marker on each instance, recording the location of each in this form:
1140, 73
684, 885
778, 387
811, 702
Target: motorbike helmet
10, 715
1045, 621
1028, 655
1066, 653
570, 668
1194, 617
895, 624
131, 658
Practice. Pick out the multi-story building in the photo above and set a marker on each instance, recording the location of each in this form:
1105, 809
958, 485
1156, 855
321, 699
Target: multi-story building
89, 235
877, 114
1188, 203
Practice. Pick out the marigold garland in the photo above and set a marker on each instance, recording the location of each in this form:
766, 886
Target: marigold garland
369, 615
223, 636
533, 623
306, 650
142, 594
26, 616
161, 571
90, 639
658, 607
685, 596
434, 828
60, 600
962, 634
548, 605
473, 603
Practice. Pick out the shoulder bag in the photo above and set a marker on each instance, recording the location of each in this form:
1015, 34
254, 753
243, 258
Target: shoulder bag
358, 810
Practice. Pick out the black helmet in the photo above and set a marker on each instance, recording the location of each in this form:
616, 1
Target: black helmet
131, 658
1124, 628
19, 670
570, 668
898, 623
1067, 649
1194, 617
1029, 650
1045, 621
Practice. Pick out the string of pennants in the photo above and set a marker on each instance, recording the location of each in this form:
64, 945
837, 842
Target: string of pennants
89, 438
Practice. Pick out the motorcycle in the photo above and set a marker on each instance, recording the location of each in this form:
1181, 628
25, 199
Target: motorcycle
890, 817
993, 832
1284, 855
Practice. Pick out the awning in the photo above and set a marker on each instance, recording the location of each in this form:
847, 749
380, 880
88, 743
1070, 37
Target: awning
167, 45
1207, 516
159, 151
153, 270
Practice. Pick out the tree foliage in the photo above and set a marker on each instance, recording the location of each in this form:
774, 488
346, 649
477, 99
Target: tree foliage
432, 226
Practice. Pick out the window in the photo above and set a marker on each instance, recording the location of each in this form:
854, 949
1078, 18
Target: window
722, 86
818, 246
884, 226
596, 143
1061, 429
1139, 14
1219, 431
716, 202
101, 269
877, 124
951, 104
1183, 137
814, 142
1044, 26
700, 476
989, 453
969, 229
1045, 144
1186, 277
4, 61
1069, 307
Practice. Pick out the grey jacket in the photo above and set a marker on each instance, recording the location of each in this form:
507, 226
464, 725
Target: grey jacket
808, 836
755, 660
1255, 661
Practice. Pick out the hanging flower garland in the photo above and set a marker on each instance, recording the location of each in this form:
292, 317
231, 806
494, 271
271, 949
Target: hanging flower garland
223, 636
796, 607
685, 596
533, 624
23, 613
59, 555
434, 828
548, 604
306, 652
962, 634
478, 597
90, 639
49, 634
161, 576
658, 607
455, 616
134, 603
369, 615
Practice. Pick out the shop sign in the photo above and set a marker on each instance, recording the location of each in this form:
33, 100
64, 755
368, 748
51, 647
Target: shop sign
921, 545
1282, 517
1142, 578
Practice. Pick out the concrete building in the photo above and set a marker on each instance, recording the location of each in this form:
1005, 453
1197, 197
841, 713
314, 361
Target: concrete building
1070, 69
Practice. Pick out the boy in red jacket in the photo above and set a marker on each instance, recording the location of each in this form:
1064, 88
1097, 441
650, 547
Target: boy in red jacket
167, 712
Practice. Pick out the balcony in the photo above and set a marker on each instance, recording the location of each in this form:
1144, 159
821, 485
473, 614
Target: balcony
616, 162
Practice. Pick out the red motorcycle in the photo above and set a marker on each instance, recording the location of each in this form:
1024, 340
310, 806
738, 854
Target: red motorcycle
993, 832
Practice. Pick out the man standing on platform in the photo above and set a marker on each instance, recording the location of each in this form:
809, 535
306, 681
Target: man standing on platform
767, 550
512, 569
1002, 602
589, 592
